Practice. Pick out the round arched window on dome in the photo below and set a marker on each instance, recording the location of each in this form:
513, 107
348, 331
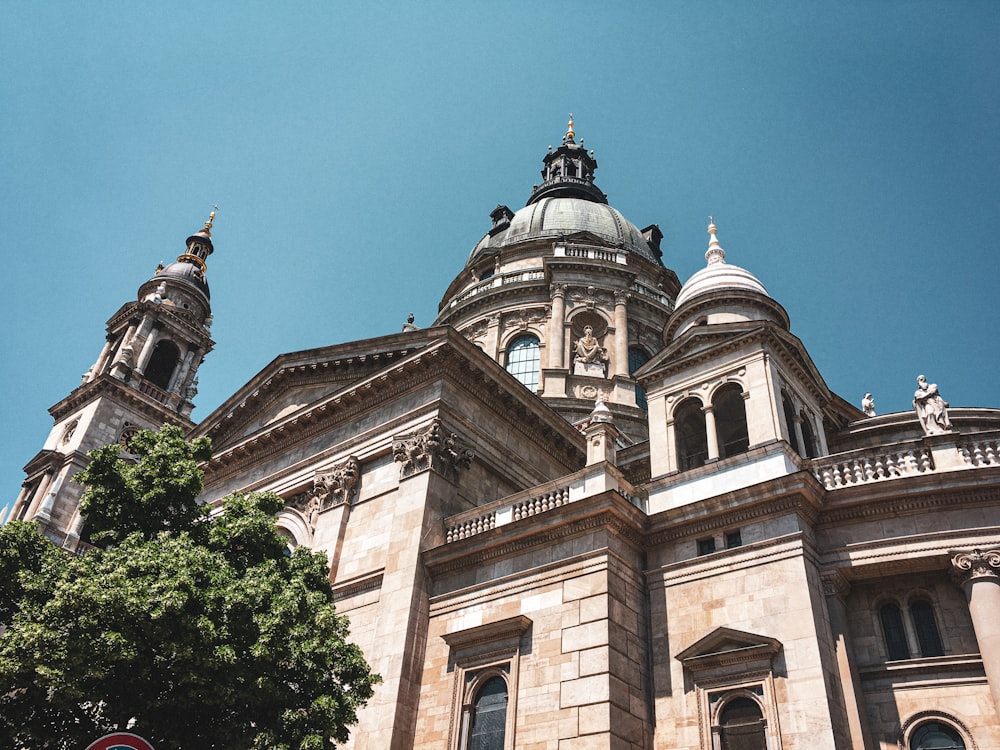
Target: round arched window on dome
936, 735
162, 363
523, 358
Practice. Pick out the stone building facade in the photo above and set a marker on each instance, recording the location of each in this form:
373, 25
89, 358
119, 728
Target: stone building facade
592, 507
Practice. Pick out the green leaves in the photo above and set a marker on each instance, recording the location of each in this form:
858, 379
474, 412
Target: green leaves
188, 632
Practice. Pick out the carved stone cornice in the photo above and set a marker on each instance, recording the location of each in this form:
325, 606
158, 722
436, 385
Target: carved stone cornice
977, 565
106, 385
431, 447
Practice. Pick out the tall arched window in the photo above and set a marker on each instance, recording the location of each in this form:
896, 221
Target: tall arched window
927, 631
691, 438
488, 719
892, 630
162, 363
637, 358
742, 726
523, 359
936, 736
731, 420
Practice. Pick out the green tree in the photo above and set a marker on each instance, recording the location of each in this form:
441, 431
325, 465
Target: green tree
190, 632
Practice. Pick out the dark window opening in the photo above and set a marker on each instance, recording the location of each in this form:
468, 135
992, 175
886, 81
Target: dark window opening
637, 358
927, 632
742, 724
892, 630
488, 722
691, 438
734, 539
162, 363
706, 546
731, 420
936, 736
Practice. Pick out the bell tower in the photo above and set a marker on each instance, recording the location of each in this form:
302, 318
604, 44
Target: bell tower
145, 376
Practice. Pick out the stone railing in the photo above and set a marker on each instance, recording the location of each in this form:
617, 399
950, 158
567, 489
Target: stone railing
499, 280
980, 452
153, 392
591, 252
584, 483
655, 294
872, 465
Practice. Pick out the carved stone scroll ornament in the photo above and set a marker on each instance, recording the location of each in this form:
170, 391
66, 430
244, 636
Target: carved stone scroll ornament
430, 448
977, 564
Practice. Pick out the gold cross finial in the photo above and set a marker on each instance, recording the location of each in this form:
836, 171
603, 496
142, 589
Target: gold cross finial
211, 218
569, 128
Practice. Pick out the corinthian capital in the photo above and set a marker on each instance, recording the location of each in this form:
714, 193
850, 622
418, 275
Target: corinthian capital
977, 564
622, 296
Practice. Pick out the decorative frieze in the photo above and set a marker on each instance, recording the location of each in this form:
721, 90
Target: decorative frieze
430, 448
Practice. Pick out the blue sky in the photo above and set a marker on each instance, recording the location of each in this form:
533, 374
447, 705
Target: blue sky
848, 152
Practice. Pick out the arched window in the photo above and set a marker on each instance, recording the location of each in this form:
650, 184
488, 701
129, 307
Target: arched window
637, 358
936, 736
808, 436
892, 630
691, 438
522, 360
731, 420
162, 363
488, 719
793, 439
742, 726
927, 632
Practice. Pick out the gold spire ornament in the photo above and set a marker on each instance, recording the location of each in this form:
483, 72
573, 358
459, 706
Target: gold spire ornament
211, 218
569, 129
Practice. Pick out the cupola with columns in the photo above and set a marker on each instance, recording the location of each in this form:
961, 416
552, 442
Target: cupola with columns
731, 388
567, 294
145, 376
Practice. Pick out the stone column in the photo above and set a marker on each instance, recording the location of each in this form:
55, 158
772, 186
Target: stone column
671, 447
147, 347
621, 333
797, 419
711, 434
99, 364
39, 494
179, 379
557, 327
836, 588
45, 511
979, 573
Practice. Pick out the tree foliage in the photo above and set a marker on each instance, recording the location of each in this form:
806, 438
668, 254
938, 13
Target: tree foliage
189, 632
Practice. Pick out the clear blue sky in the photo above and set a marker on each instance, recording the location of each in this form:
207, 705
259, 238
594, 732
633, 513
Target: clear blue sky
848, 151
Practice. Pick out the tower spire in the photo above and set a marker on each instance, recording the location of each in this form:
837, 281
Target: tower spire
199, 244
715, 253
568, 172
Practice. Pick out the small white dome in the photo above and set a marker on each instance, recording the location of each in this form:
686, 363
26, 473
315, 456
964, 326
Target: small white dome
718, 275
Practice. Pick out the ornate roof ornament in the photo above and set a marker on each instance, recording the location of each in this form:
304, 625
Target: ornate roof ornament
431, 447
715, 253
568, 138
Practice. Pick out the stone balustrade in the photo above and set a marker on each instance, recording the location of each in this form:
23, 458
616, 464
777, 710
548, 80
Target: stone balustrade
654, 294
591, 252
907, 459
589, 481
499, 280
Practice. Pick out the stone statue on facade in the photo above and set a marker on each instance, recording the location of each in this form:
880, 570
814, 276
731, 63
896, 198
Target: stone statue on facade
192, 390
588, 354
868, 405
932, 410
408, 325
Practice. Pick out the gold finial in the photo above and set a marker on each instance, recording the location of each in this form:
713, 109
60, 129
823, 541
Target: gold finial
569, 129
211, 218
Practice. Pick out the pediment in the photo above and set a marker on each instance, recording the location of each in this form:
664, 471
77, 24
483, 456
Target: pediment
294, 383
725, 646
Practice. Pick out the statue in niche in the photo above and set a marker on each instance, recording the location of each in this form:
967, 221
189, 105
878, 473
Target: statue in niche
868, 405
588, 355
932, 410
